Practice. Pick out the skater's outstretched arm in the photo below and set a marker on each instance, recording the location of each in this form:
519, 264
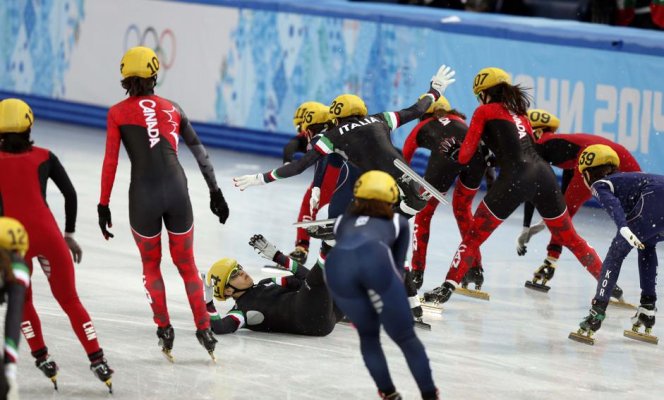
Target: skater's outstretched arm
233, 321
285, 171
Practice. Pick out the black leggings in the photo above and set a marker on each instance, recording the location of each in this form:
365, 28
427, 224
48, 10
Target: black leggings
534, 182
441, 172
150, 202
312, 307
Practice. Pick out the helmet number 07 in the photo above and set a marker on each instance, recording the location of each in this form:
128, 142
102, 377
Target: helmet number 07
480, 78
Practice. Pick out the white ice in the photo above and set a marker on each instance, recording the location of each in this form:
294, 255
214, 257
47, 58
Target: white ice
512, 347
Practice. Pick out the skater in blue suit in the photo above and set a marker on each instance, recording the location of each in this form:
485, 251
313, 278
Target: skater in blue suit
633, 200
365, 275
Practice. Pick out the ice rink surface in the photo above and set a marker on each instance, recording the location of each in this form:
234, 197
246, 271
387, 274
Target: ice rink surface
513, 347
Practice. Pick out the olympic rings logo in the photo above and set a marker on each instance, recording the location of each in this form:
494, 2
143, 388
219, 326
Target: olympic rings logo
163, 44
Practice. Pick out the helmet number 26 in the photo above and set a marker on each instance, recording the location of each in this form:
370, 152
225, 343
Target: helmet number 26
335, 108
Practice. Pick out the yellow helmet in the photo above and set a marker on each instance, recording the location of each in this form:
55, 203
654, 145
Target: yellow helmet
543, 119
139, 61
441, 103
596, 155
219, 275
488, 78
376, 185
13, 236
15, 116
312, 113
347, 105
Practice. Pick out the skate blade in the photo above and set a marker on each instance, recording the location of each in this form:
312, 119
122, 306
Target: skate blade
642, 337
55, 382
537, 286
478, 294
430, 305
422, 325
214, 359
168, 355
578, 337
109, 385
622, 304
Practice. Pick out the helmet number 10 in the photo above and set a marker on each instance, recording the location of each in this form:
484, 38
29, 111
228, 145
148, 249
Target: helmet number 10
153, 65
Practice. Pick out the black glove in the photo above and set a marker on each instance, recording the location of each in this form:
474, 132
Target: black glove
218, 205
450, 147
104, 220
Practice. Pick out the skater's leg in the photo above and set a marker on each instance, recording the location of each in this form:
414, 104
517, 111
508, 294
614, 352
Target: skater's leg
182, 252
421, 235
608, 277
563, 231
150, 249
31, 324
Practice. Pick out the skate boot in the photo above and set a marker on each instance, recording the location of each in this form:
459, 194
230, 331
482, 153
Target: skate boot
440, 294
474, 275
207, 340
299, 254
391, 396
544, 274
618, 300
47, 365
166, 338
100, 368
418, 278
590, 325
645, 316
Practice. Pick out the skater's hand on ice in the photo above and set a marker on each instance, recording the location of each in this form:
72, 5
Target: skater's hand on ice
443, 78
264, 248
219, 206
75, 249
105, 220
245, 181
527, 233
631, 238
314, 200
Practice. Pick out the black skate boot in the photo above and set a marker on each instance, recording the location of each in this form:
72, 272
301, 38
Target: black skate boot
590, 325
414, 301
391, 396
299, 254
544, 274
99, 367
47, 365
207, 340
440, 294
418, 278
474, 275
166, 338
645, 316
618, 300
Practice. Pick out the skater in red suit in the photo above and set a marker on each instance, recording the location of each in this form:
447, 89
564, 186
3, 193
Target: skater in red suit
24, 172
308, 122
439, 123
150, 128
563, 151
501, 122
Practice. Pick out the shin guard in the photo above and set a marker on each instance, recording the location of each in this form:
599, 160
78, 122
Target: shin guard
562, 231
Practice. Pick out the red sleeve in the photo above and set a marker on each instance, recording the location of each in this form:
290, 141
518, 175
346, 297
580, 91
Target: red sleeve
473, 136
410, 145
110, 159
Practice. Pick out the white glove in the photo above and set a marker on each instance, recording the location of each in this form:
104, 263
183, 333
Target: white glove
631, 238
527, 233
10, 374
314, 201
264, 248
443, 78
245, 181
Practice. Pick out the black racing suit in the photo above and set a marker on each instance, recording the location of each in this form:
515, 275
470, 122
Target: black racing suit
298, 304
365, 142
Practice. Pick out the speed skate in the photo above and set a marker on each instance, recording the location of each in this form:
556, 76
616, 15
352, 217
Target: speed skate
641, 336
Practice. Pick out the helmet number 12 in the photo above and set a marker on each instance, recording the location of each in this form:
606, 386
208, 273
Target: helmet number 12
18, 237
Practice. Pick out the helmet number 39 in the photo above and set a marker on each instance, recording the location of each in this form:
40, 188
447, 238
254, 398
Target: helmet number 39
587, 158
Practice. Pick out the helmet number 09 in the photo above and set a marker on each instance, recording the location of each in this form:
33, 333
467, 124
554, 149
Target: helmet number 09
153, 65
479, 79
587, 158
536, 116
335, 108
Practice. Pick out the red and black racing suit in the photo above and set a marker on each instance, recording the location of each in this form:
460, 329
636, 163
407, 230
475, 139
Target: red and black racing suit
150, 128
524, 176
563, 151
441, 172
23, 179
